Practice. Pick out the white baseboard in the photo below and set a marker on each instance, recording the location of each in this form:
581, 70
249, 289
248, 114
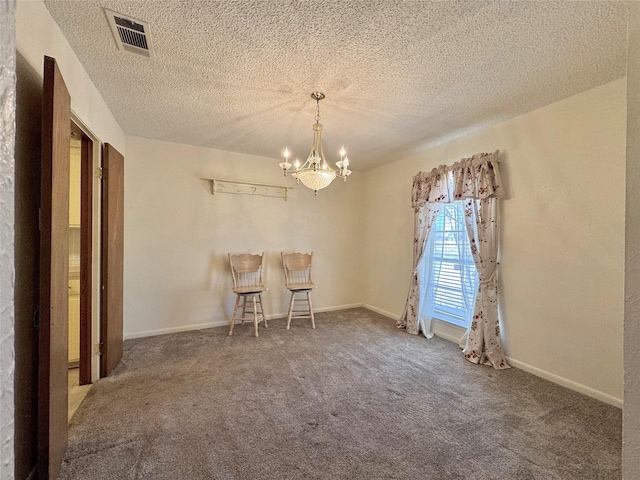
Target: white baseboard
225, 323
453, 338
565, 382
382, 312
331, 309
181, 328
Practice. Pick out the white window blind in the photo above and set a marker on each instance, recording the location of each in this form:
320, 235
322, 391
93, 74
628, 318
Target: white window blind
452, 278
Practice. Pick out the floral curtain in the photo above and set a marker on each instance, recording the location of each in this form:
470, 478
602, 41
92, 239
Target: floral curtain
483, 344
423, 221
428, 189
475, 180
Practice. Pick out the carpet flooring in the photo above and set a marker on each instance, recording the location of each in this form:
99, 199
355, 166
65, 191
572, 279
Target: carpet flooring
353, 399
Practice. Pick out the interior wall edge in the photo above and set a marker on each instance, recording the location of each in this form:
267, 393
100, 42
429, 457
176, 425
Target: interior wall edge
7, 232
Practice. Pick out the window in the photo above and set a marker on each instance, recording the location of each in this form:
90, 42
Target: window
449, 273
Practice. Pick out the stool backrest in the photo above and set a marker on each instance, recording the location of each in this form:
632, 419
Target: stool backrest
246, 270
297, 267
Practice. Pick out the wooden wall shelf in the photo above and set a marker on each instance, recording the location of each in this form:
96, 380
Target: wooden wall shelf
247, 188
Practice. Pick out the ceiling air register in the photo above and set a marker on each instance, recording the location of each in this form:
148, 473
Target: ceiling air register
130, 34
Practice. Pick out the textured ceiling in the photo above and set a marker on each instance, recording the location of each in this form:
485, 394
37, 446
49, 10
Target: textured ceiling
399, 75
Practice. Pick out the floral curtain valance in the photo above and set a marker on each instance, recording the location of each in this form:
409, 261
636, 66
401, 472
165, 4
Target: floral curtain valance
477, 177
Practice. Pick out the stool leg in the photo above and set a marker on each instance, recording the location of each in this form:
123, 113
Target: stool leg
255, 316
290, 309
244, 309
313, 323
233, 318
264, 317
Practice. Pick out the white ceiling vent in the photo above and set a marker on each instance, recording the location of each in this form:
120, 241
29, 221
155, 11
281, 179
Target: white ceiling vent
130, 34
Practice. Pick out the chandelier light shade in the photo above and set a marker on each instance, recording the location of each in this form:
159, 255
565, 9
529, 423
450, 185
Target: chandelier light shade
316, 173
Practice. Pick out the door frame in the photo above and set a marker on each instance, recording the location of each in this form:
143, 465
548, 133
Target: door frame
90, 174
86, 255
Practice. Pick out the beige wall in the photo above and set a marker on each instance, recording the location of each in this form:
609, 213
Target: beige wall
178, 235
562, 243
75, 163
631, 413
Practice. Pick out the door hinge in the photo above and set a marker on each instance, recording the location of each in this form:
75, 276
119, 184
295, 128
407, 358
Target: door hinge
101, 173
36, 318
100, 348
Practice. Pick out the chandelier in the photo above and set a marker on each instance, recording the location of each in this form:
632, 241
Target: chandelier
316, 173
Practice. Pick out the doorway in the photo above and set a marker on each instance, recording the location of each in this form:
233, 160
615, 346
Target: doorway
80, 267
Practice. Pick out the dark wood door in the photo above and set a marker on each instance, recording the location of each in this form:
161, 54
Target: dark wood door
112, 239
54, 269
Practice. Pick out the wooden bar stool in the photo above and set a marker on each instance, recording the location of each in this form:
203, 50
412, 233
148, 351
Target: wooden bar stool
246, 270
297, 275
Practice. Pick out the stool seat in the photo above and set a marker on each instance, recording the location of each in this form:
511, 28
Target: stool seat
247, 290
300, 286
